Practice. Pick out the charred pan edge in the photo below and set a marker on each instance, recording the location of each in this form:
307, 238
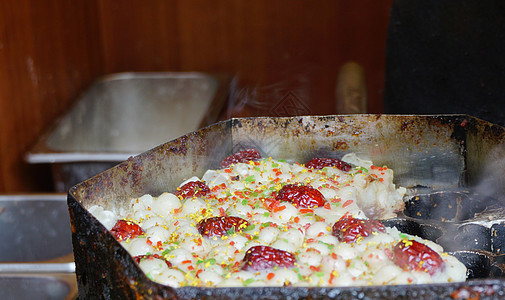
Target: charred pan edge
105, 270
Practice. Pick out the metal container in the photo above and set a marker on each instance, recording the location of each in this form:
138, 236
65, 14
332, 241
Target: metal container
440, 153
124, 114
36, 259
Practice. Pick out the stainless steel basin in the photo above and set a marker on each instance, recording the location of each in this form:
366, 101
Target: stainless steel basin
34, 228
124, 114
35, 287
36, 260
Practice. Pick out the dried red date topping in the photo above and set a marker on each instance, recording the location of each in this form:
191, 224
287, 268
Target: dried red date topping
139, 258
123, 230
319, 163
241, 157
264, 257
192, 189
349, 229
301, 196
219, 226
412, 255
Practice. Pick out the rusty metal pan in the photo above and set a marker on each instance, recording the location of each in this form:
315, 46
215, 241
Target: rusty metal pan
429, 153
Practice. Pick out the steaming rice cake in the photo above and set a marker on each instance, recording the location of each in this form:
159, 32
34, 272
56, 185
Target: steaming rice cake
266, 222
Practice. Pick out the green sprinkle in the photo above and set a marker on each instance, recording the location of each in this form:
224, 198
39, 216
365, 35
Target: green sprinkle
249, 281
319, 274
266, 214
249, 178
244, 202
211, 261
231, 231
330, 246
282, 160
403, 236
254, 194
275, 165
250, 227
363, 169
266, 224
256, 168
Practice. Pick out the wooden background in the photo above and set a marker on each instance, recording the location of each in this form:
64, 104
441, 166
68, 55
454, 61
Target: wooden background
51, 50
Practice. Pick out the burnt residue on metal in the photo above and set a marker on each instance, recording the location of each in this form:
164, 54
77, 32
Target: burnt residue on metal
464, 219
179, 147
466, 237
446, 206
498, 237
405, 125
106, 270
421, 150
426, 231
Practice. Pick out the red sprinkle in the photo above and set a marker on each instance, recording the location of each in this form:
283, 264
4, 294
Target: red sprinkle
279, 208
347, 203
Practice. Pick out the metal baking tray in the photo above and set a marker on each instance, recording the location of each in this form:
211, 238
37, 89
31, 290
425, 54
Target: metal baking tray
124, 114
435, 154
36, 258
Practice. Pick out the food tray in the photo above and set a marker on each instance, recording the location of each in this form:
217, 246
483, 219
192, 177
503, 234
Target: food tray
124, 114
442, 159
36, 260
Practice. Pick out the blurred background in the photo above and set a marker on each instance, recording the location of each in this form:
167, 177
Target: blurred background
51, 51
279, 58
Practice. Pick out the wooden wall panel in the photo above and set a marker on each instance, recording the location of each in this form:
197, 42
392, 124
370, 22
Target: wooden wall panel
273, 47
51, 50
139, 35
